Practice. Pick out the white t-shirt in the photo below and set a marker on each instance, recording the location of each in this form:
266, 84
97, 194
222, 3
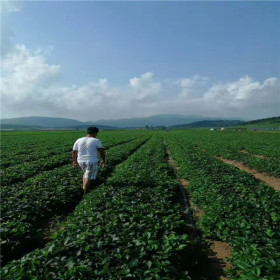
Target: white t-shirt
87, 149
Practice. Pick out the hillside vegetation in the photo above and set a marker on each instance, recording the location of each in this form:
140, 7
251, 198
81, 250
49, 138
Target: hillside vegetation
268, 122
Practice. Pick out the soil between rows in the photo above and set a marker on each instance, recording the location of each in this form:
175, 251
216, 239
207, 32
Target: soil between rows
49, 229
270, 180
219, 251
60, 164
48, 226
258, 156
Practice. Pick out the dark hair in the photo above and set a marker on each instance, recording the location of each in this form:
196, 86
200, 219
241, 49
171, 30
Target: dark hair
92, 130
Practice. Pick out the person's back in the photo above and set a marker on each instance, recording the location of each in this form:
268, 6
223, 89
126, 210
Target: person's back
85, 155
87, 148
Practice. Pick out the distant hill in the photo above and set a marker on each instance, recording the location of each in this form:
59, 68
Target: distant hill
40, 123
155, 121
264, 123
20, 127
268, 122
63, 123
206, 124
158, 120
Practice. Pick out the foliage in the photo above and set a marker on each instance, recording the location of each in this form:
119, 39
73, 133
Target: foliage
130, 228
27, 206
238, 209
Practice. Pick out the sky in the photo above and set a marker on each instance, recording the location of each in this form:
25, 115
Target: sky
106, 60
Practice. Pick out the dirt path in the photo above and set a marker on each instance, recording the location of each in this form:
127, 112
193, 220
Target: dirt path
258, 156
51, 225
270, 180
198, 213
219, 251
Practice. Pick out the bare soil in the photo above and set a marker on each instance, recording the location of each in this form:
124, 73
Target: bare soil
198, 213
270, 180
258, 156
219, 252
184, 183
170, 159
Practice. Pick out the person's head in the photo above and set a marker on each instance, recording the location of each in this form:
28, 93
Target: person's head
92, 131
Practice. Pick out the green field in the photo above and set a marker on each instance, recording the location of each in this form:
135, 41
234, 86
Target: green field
132, 225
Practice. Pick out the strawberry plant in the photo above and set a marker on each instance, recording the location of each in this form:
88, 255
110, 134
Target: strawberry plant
124, 229
44, 195
238, 209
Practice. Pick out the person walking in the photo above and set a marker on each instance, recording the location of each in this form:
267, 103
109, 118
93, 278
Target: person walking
85, 156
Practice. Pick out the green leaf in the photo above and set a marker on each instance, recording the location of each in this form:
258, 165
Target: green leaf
70, 263
106, 267
149, 264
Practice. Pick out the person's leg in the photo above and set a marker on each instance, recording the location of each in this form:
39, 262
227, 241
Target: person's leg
86, 184
87, 176
93, 175
83, 166
90, 176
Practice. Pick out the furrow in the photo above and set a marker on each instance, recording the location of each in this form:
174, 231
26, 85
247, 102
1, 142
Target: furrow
22, 218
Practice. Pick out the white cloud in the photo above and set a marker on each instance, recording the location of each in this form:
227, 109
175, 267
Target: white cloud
145, 88
29, 87
192, 87
244, 93
25, 74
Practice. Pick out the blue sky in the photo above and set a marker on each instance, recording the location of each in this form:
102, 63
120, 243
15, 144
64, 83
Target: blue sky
191, 47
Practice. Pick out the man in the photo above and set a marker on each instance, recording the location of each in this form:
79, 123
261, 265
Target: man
85, 155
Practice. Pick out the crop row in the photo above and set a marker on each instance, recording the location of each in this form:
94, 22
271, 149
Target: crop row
238, 209
9, 160
14, 150
25, 147
20, 172
44, 195
131, 228
267, 165
13, 189
242, 147
261, 143
13, 145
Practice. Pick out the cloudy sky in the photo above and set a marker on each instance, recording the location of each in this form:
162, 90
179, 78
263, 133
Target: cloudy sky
103, 60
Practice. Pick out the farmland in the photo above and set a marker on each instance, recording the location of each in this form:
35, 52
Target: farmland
133, 224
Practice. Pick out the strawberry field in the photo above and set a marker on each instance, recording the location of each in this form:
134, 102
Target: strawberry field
133, 223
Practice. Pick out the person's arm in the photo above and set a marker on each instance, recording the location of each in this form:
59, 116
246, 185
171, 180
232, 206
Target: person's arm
103, 156
75, 156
